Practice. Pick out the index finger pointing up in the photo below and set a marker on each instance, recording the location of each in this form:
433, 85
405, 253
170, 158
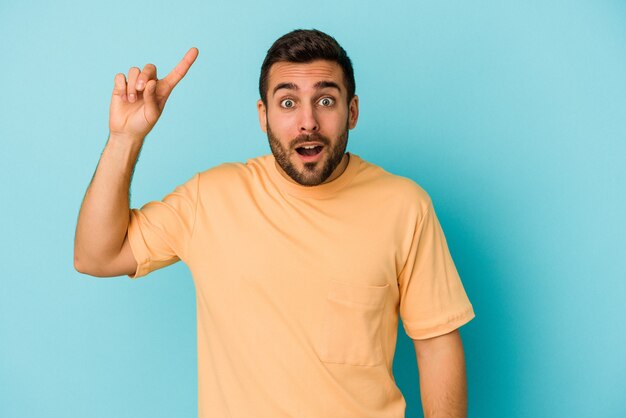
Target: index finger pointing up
181, 68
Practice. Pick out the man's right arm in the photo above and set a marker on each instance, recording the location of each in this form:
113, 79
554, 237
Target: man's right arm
101, 246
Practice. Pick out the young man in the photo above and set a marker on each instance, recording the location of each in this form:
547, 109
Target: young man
302, 260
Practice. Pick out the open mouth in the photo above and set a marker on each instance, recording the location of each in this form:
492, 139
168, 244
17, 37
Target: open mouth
309, 150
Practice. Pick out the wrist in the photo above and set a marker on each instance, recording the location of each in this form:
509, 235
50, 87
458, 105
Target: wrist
123, 148
125, 139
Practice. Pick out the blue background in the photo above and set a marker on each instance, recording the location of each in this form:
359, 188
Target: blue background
510, 114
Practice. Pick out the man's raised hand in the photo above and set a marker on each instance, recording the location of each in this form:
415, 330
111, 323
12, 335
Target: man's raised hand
138, 102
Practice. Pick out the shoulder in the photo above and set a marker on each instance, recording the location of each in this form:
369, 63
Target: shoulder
229, 175
222, 172
391, 187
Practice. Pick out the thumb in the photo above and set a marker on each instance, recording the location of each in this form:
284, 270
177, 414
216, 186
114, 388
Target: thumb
152, 111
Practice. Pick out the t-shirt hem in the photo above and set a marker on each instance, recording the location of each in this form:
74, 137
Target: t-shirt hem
138, 248
435, 331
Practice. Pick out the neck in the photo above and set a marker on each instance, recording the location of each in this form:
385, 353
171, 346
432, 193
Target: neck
339, 169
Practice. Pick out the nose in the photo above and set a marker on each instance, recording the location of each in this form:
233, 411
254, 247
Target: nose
308, 120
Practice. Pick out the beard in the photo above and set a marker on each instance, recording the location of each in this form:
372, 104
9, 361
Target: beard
313, 173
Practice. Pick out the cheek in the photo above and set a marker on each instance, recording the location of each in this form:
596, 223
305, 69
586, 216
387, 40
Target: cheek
335, 122
282, 124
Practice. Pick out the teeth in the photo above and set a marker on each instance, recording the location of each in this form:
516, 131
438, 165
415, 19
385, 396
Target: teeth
309, 146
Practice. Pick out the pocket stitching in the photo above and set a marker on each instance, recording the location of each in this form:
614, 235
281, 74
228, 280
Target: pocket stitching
377, 355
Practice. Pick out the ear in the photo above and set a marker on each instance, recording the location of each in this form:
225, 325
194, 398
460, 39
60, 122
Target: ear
353, 110
262, 110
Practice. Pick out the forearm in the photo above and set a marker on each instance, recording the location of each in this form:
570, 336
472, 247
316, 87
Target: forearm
101, 247
104, 213
443, 383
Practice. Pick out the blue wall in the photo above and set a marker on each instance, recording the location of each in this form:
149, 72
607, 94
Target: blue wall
510, 114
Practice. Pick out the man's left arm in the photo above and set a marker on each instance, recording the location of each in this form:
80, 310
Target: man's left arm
443, 384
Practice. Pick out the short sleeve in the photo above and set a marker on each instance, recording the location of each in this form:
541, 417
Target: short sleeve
433, 301
159, 232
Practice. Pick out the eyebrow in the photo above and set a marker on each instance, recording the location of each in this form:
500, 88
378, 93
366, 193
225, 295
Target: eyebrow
318, 85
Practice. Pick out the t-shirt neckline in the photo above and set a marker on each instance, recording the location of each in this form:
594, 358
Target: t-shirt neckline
319, 191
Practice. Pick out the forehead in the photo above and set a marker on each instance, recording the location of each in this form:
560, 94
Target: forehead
305, 74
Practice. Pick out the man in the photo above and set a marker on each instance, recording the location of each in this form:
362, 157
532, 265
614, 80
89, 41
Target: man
302, 259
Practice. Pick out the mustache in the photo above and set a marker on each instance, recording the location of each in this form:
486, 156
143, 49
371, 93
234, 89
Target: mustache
304, 138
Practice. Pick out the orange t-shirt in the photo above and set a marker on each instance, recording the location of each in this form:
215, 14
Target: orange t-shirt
299, 289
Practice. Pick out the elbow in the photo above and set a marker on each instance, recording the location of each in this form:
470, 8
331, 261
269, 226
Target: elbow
97, 267
79, 266
79, 258
84, 267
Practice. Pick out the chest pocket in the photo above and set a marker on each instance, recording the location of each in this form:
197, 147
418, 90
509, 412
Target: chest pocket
350, 328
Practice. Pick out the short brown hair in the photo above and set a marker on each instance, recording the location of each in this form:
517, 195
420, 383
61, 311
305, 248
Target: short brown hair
302, 46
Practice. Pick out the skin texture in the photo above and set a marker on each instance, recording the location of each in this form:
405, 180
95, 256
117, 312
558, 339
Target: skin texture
305, 112
101, 246
443, 384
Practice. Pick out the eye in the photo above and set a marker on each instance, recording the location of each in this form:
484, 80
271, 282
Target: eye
287, 103
327, 101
